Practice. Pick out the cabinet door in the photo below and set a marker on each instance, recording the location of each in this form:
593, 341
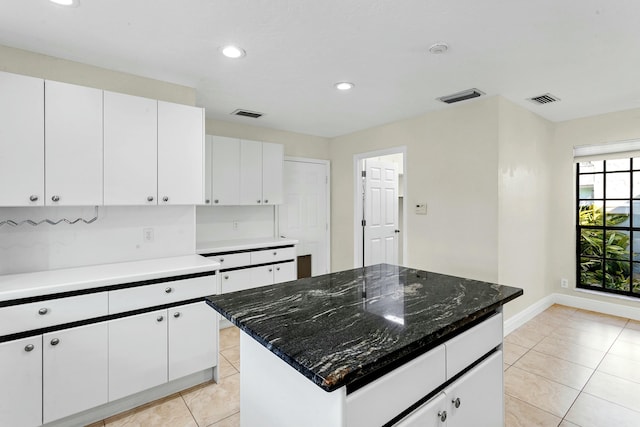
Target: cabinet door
192, 339
137, 353
250, 172
21, 385
73, 145
285, 272
74, 364
261, 276
208, 169
272, 173
431, 414
21, 140
225, 171
237, 280
180, 154
130, 150
477, 397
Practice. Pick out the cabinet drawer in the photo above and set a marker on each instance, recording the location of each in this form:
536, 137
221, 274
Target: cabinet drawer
160, 293
233, 260
380, 401
36, 315
272, 255
237, 280
470, 345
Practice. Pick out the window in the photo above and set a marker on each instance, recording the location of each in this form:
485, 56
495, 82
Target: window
608, 225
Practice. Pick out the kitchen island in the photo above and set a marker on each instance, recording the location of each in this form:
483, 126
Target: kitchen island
371, 346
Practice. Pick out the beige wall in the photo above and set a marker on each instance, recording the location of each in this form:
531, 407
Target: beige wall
452, 158
47, 67
600, 129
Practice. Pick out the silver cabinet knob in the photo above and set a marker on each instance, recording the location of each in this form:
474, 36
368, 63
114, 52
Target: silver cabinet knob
207, 201
165, 199
259, 201
266, 200
55, 198
160, 318
270, 270
215, 201
43, 311
29, 347
456, 402
275, 253
33, 198
443, 416
221, 260
277, 268
150, 199
176, 314
226, 277
55, 341
168, 290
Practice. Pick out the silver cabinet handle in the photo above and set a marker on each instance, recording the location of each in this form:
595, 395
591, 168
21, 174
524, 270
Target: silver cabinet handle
456, 402
215, 201
165, 198
443, 416
150, 199
226, 277
160, 318
55, 341
55, 198
33, 198
168, 290
43, 311
29, 347
176, 314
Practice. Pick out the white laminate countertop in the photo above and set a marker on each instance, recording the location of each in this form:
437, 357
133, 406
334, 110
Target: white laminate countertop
242, 244
27, 285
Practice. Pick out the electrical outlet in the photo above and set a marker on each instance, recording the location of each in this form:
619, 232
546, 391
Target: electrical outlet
564, 283
147, 235
235, 225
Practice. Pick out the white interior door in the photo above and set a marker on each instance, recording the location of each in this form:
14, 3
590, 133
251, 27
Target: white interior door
380, 213
303, 215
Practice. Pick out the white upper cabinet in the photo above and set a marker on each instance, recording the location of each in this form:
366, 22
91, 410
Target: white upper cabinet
73, 145
250, 172
130, 150
180, 154
21, 140
272, 173
225, 173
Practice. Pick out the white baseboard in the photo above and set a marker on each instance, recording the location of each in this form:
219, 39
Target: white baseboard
519, 319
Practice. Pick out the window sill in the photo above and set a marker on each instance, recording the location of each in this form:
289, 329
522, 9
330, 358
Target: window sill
605, 294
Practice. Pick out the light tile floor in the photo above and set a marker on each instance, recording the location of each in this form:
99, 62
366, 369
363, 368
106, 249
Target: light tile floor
566, 367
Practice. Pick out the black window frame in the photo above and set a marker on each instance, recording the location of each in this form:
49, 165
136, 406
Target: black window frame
634, 265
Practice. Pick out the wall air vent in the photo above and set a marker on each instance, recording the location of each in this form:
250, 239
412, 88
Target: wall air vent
247, 113
544, 99
461, 96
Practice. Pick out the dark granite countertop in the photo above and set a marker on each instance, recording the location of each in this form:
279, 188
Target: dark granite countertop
347, 328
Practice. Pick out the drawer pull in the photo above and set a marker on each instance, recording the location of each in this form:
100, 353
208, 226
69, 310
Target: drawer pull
456, 402
216, 201
55, 341
168, 290
275, 253
177, 314
266, 200
270, 270
207, 201
43, 311
259, 201
443, 416
226, 277
55, 198
165, 199
221, 259
277, 268
160, 318
33, 198
150, 199
29, 347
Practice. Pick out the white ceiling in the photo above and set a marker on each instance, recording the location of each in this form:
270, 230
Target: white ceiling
586, 52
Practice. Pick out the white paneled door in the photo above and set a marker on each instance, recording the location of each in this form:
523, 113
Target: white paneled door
303, 215
380, 213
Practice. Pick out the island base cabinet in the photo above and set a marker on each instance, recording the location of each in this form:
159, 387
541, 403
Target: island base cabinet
74, 370
137, 353
21, 385
192, 339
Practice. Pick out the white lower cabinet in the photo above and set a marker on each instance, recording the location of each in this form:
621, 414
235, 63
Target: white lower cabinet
254, 277
74, 367
21, 385
284, 272
137, 353
431, 414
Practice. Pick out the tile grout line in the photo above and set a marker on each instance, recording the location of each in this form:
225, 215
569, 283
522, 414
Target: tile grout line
189, 409
221, 420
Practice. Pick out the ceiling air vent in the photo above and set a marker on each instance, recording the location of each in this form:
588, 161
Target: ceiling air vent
461, 96
544, 99
247, 113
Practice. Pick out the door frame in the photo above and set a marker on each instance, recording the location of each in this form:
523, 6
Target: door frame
358, 236
327, 166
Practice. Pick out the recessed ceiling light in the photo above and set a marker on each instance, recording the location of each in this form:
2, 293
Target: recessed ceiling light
73, 3
344, 85
233, 52
438, 48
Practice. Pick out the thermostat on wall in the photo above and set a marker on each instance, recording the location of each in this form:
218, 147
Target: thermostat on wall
421, 209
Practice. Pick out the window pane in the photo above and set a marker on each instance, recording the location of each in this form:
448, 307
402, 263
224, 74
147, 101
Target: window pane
592, 166
618, 165
617, 213
592, 186
617, 245
636, 185
591, 272
618, 185
636, 278
591, 212
617, 275
591, 243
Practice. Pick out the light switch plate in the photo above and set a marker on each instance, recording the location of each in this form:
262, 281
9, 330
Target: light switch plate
421, 208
